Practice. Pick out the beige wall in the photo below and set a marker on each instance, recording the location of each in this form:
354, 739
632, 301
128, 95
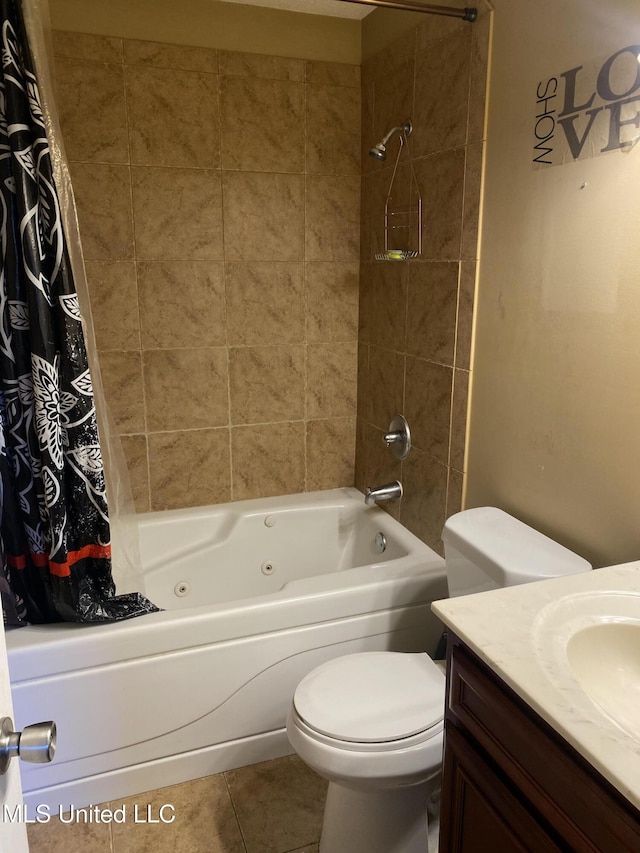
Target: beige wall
206, 23
555, 417
416, 316
218, 196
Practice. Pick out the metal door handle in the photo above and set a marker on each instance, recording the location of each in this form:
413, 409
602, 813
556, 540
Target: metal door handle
36, 743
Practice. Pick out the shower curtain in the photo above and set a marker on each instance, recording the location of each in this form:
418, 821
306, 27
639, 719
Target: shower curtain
54, 525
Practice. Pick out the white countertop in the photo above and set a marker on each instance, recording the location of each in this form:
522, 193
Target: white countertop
521, 633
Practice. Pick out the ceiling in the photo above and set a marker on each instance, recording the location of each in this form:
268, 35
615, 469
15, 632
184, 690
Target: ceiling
332, 8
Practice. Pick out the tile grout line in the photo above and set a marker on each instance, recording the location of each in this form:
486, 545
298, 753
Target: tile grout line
235, 812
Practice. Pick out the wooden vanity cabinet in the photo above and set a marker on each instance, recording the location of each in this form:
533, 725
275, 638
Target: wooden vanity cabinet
511, 783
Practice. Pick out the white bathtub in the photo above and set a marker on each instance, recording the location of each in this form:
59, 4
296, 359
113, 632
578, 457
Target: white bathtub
256, 594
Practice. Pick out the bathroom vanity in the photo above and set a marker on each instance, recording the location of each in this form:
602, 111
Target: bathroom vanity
531, 762
511, 783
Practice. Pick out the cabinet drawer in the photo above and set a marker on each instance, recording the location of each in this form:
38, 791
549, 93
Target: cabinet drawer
544, 768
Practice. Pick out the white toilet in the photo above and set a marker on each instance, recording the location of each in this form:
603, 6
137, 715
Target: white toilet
372, 723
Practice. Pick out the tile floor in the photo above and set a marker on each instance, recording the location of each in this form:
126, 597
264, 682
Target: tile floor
272, 807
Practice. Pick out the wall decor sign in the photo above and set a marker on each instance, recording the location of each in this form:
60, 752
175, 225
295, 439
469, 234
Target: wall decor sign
588, 110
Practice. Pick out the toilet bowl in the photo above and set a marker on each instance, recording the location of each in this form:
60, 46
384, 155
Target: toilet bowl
372, 724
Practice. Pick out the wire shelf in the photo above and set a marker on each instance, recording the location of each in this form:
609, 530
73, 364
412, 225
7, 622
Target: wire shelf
396, 255
406, 218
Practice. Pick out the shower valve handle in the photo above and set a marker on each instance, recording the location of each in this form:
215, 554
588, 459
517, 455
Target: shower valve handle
393, 437
35, 744
398, 439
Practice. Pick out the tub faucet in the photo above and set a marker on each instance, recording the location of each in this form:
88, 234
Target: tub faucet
388, 492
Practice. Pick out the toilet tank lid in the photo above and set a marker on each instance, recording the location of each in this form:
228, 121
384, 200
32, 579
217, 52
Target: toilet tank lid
492, 538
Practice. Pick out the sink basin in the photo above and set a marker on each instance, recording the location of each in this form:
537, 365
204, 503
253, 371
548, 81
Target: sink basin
605, 660
591, 640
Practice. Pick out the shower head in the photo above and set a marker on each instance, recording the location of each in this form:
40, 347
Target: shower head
379, 150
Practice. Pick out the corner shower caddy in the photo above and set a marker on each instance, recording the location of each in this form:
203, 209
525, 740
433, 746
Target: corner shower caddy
407, 218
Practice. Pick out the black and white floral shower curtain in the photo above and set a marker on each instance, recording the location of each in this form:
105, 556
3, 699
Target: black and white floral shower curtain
55, 546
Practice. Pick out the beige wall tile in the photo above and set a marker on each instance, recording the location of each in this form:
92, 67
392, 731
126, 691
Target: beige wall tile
263, 217
332, 73
262, 124
275, 318
366, 217
439, 307
186, 388
363, 407
330, 453
114, 304
178, 214
389, 304
190, 468
454, 492
366, 304
93, 119
170, 56
479, 66
393, 55
173, 117
431, 314
428, 406
332, 116
135, 452
267, 383
441, 181
442, 94
103, 198
84, 46
466, 301
332, 208
360, 471
367, 96
182, 304
268, 459
433, 29
332, 301
386, 386
331, 380
424, 502
459, 419
122, 379
393, 99
238, 64
265, 303
472, 186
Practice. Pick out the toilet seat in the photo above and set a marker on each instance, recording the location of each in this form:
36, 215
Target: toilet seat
373, 701
400, 745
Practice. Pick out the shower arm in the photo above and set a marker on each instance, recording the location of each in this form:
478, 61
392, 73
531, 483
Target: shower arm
469, 14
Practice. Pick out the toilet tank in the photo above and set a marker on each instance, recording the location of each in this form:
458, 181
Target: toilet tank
486, 548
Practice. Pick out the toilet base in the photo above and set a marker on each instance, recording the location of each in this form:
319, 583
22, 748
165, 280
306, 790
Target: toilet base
393, 820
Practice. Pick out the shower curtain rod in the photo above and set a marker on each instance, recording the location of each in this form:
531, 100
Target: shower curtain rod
465, 14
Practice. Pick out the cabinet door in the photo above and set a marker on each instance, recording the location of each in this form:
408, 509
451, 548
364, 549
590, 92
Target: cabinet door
555, 783
479, 813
